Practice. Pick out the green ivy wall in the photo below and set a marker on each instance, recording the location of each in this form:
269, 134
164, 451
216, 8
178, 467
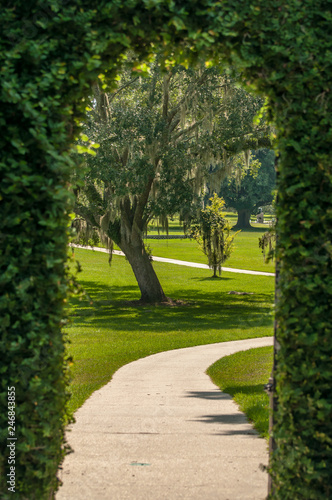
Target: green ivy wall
50, 53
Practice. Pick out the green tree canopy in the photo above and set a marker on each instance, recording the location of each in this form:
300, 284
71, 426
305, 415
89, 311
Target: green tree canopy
253, 189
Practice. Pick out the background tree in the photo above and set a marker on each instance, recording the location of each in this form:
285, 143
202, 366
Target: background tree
254, 189
213, 233
50, 54
158, 136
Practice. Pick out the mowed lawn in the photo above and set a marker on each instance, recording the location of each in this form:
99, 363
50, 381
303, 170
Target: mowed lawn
107, 330
246, 254
243, 376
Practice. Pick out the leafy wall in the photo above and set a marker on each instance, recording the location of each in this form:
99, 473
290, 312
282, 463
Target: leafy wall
50, 53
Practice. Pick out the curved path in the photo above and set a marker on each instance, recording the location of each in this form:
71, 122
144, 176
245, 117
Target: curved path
161, 430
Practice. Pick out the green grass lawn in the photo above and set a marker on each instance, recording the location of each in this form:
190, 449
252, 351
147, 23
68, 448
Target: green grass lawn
246, 254
107, 331
174, 226
243, 375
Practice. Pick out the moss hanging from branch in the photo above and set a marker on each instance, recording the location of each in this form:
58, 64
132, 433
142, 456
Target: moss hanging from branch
213, 234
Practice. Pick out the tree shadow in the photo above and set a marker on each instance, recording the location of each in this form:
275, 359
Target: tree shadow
253, 229
236, 419
97, 295
227, 420
230, 418
245, 389
201, 310
212, 278
210, 395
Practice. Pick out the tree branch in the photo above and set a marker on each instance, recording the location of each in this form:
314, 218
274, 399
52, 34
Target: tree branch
86, 214
166, 80
186, 130
189, 91
103, 108
112, 96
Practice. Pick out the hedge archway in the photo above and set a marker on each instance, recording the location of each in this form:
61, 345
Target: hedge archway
51, 52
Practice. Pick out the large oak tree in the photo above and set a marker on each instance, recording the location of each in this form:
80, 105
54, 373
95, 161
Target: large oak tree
158, 137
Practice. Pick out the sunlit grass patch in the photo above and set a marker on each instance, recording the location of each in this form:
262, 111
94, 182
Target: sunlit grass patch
246, 254
243, 375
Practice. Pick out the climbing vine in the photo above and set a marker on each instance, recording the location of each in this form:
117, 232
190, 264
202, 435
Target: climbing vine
50, 54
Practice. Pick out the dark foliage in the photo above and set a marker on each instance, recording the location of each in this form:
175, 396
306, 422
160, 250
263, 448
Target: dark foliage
51, 52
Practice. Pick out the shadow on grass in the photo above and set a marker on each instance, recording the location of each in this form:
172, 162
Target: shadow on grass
245, 389
212, 278
97, 293
253, 229
204, 311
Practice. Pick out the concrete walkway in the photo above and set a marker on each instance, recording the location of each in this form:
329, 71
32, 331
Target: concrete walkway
161, 430
182, 262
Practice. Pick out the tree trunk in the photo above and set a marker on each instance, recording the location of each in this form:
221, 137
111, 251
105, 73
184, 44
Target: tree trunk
148, 282
243, 219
